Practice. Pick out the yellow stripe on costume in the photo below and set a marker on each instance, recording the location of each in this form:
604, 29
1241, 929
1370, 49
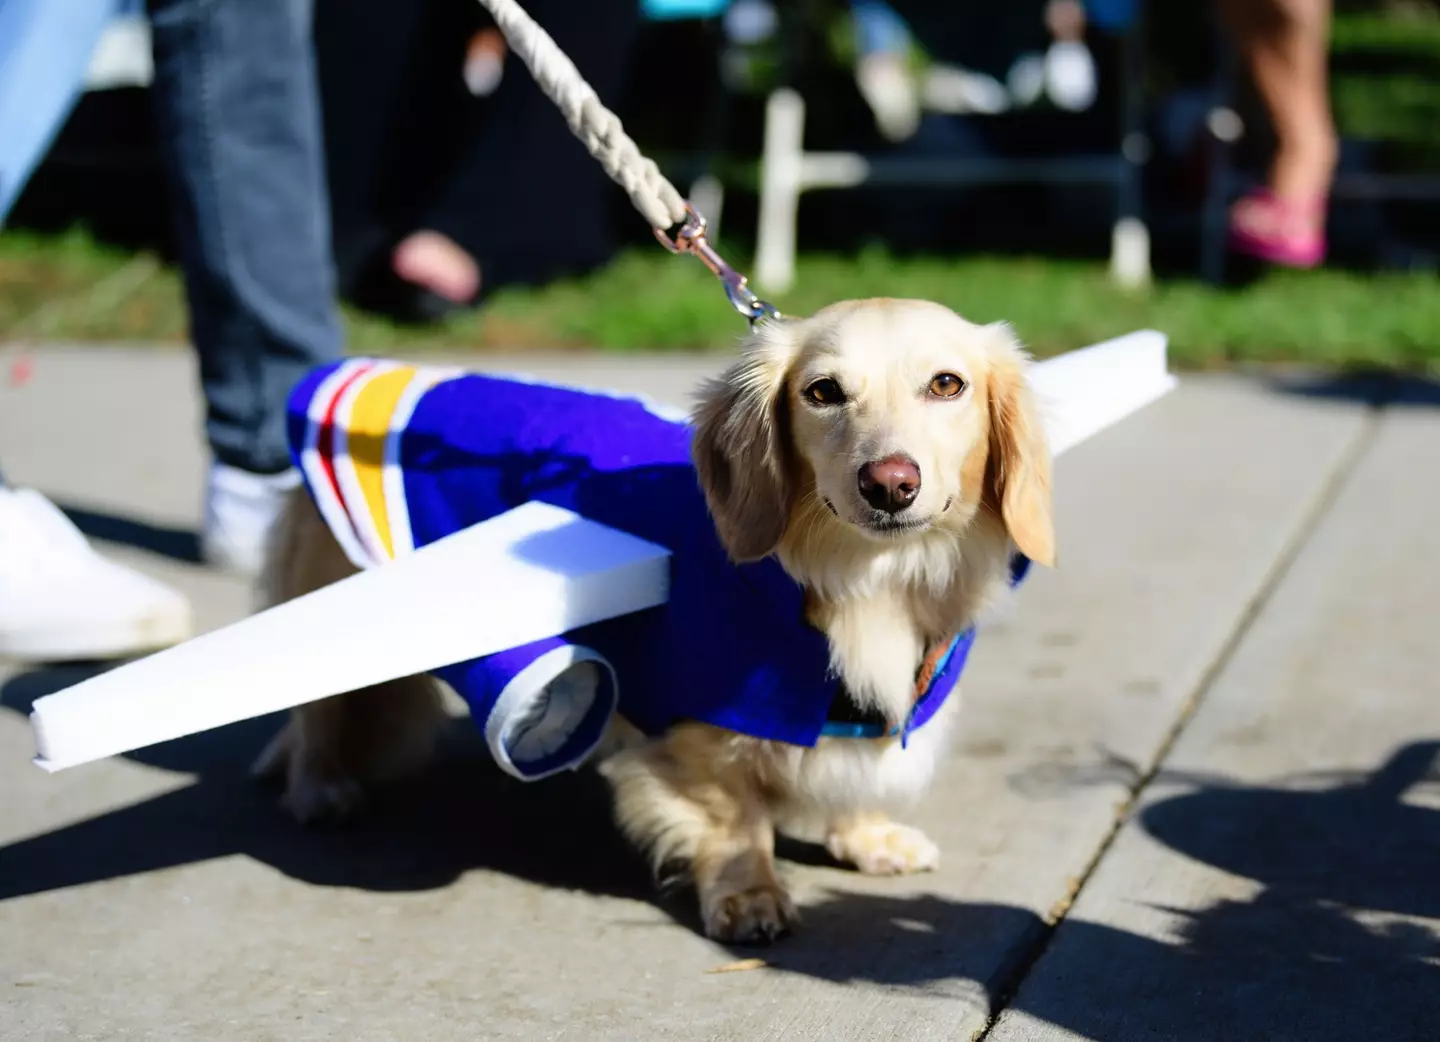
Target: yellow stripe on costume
370, 422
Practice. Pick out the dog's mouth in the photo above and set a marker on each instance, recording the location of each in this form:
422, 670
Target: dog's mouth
884, 525
890, 526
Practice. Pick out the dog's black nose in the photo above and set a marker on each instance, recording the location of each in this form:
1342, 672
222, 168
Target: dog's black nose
890, 484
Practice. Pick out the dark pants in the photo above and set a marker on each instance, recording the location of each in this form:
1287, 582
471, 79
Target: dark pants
502, 176
525, 196
239, 124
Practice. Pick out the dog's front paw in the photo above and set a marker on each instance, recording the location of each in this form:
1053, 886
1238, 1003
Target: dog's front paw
878, 846
757, 916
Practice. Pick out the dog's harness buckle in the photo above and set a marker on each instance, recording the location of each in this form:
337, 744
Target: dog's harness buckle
691, 239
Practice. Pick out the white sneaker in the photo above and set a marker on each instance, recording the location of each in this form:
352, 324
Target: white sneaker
61, 600
240, 508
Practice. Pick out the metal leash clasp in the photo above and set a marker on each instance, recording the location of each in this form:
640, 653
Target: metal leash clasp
691, 239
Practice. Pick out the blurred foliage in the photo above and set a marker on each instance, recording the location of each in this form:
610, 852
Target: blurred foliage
649, 301
1386, 83
1386, 80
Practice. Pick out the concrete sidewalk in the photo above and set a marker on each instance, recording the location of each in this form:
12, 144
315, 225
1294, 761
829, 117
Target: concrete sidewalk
1204, 746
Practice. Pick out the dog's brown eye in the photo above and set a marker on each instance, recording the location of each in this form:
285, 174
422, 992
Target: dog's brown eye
946, 385
824, 392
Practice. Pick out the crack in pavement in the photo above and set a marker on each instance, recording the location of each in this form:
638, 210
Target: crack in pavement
1384, 392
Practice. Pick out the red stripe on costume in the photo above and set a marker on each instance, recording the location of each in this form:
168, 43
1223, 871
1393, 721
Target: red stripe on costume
325, 442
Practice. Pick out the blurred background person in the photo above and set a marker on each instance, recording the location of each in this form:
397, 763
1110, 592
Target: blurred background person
451, 173
239, 127
59, 598
1285, 44
238, 119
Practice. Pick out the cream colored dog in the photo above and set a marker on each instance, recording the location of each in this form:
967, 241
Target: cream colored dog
889, 454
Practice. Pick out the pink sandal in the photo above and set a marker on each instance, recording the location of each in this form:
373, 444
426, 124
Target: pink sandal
1279, 231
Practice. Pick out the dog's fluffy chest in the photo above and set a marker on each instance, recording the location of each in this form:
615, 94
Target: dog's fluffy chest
842, 773
879, 640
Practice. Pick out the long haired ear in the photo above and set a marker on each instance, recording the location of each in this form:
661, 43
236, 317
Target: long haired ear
1017, 474
741, 449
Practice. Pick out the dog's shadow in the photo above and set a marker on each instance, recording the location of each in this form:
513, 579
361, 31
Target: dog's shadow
462, 815
420, 833
1319, 847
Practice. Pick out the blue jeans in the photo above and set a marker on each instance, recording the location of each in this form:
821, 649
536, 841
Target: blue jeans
240, 134
239, 122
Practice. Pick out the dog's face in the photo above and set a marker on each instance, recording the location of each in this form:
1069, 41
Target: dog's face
885, 409
898, 417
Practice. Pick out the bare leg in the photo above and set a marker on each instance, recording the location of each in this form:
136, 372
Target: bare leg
1285, 43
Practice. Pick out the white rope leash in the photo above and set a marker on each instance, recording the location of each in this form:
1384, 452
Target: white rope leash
594, 124
600, 130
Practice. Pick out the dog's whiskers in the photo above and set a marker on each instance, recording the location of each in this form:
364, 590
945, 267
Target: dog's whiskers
813, 519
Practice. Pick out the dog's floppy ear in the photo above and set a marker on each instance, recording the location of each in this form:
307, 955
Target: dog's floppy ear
741, 450
1017, 473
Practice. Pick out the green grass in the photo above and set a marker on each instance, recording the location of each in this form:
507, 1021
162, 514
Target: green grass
1384, 84
70, 289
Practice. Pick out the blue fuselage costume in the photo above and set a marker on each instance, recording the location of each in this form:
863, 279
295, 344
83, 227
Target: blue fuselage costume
732, 646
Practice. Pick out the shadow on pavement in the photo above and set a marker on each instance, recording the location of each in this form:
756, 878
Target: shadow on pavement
178, 543
1357, 840
419, 834
1318, 954
1379, 388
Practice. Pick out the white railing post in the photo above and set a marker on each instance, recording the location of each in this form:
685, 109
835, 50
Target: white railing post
780, 187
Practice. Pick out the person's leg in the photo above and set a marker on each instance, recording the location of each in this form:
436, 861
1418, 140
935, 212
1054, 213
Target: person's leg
440, 267
384, 133
239, 122
1285, 45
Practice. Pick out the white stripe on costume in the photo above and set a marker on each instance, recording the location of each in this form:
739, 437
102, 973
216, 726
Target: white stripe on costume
402, 536
331, 507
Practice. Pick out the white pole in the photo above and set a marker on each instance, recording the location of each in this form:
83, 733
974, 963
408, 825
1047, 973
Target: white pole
780, 188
